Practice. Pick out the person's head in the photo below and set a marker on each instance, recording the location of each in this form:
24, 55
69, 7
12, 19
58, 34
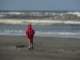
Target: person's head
30, 25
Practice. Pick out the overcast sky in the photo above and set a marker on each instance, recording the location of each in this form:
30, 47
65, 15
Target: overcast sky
40, 5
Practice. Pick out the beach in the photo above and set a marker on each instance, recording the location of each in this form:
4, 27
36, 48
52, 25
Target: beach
45, 48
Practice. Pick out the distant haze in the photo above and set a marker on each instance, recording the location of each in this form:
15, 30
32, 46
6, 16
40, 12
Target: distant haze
73, 5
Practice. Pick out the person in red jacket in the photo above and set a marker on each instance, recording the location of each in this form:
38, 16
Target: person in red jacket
30, 35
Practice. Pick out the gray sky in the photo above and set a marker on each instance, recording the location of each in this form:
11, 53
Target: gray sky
40, 5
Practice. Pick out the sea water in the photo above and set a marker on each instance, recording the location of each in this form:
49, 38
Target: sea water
53, 30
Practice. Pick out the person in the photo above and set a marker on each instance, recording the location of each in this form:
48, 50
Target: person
30, 35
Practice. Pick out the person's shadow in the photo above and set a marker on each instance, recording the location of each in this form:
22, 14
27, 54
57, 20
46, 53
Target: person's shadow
20, 46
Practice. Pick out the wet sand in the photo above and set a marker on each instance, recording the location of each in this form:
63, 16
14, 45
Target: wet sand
45, 48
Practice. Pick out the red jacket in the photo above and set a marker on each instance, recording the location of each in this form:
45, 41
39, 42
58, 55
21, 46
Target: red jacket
30, 32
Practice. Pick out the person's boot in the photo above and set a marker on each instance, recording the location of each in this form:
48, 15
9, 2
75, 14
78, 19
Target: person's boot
31, 47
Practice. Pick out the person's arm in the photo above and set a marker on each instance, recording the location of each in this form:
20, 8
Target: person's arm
26, 32
33, 32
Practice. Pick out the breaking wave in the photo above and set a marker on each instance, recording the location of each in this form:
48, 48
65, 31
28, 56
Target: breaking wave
44, 34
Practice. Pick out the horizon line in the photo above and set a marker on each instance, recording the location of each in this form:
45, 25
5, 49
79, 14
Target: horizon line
38, 11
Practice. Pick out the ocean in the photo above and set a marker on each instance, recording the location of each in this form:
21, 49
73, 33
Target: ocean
53, 30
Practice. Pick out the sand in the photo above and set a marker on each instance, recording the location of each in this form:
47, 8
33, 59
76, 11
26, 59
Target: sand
45, 48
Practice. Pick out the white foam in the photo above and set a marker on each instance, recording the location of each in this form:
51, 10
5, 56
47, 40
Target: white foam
37, 21
47, 34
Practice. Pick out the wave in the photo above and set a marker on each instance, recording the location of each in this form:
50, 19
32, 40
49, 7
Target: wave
38, 21
45, 34
59, 34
